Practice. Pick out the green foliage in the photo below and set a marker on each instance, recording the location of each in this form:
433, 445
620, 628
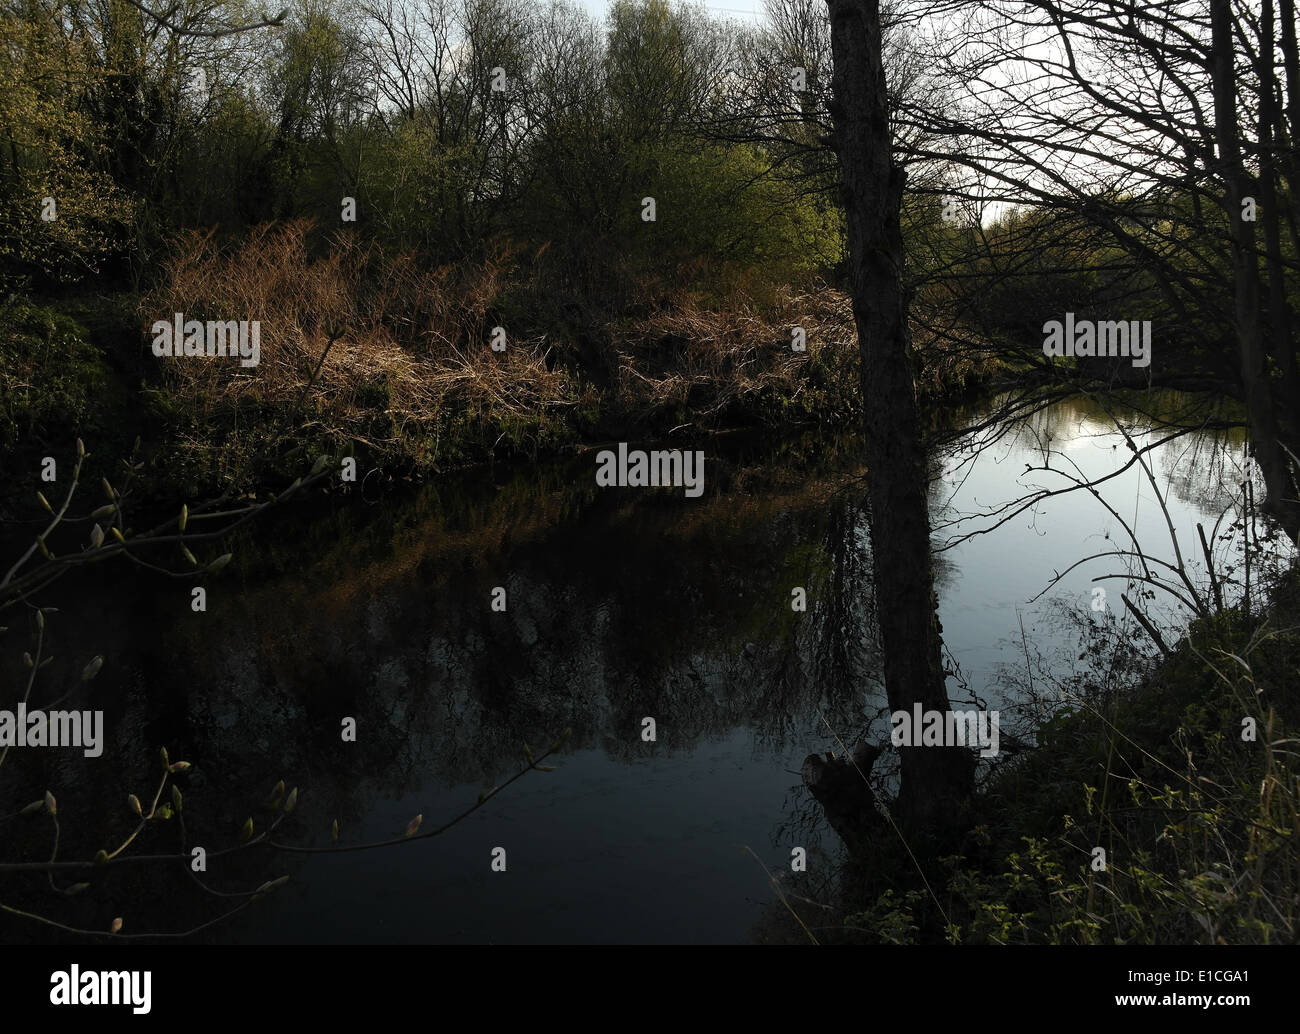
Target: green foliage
1200, 828
50, 149
724, 206
51, 378
891, 920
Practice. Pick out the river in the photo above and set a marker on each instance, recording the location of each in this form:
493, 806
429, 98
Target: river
621, 604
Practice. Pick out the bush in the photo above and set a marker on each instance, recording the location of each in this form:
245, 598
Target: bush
52, 379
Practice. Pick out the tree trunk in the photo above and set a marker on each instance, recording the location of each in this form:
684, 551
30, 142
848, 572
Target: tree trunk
1290, 151
1279, 314
935, 780
1260, 405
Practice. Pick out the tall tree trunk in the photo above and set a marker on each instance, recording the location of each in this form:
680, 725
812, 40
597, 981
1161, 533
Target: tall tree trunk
935, 780
1279, 314
1290, 139
1260, 405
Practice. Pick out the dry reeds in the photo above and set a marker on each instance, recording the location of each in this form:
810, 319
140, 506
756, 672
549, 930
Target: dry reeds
358, 345
706, 360
389, 351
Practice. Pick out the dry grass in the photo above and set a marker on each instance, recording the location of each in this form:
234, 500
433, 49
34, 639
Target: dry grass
707, 361
412, 359
412, 379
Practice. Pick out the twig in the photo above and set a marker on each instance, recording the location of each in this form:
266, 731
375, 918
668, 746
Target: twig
1209, 566
1142, 620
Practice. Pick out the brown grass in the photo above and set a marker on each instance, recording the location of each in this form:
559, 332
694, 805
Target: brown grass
413, 357
708, 360
412, 379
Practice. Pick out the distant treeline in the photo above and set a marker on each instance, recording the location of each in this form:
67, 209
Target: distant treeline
453, 125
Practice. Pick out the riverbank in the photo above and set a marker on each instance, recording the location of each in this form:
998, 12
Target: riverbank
1161, 806
416, 372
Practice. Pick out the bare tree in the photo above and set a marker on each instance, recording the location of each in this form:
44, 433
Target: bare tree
1161, 128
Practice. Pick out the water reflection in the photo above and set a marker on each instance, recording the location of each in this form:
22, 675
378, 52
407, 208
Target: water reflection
622, 604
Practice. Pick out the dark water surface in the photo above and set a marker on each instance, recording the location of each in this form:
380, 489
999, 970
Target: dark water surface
622, 604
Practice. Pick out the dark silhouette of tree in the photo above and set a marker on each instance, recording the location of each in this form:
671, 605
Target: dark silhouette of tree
935, 780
